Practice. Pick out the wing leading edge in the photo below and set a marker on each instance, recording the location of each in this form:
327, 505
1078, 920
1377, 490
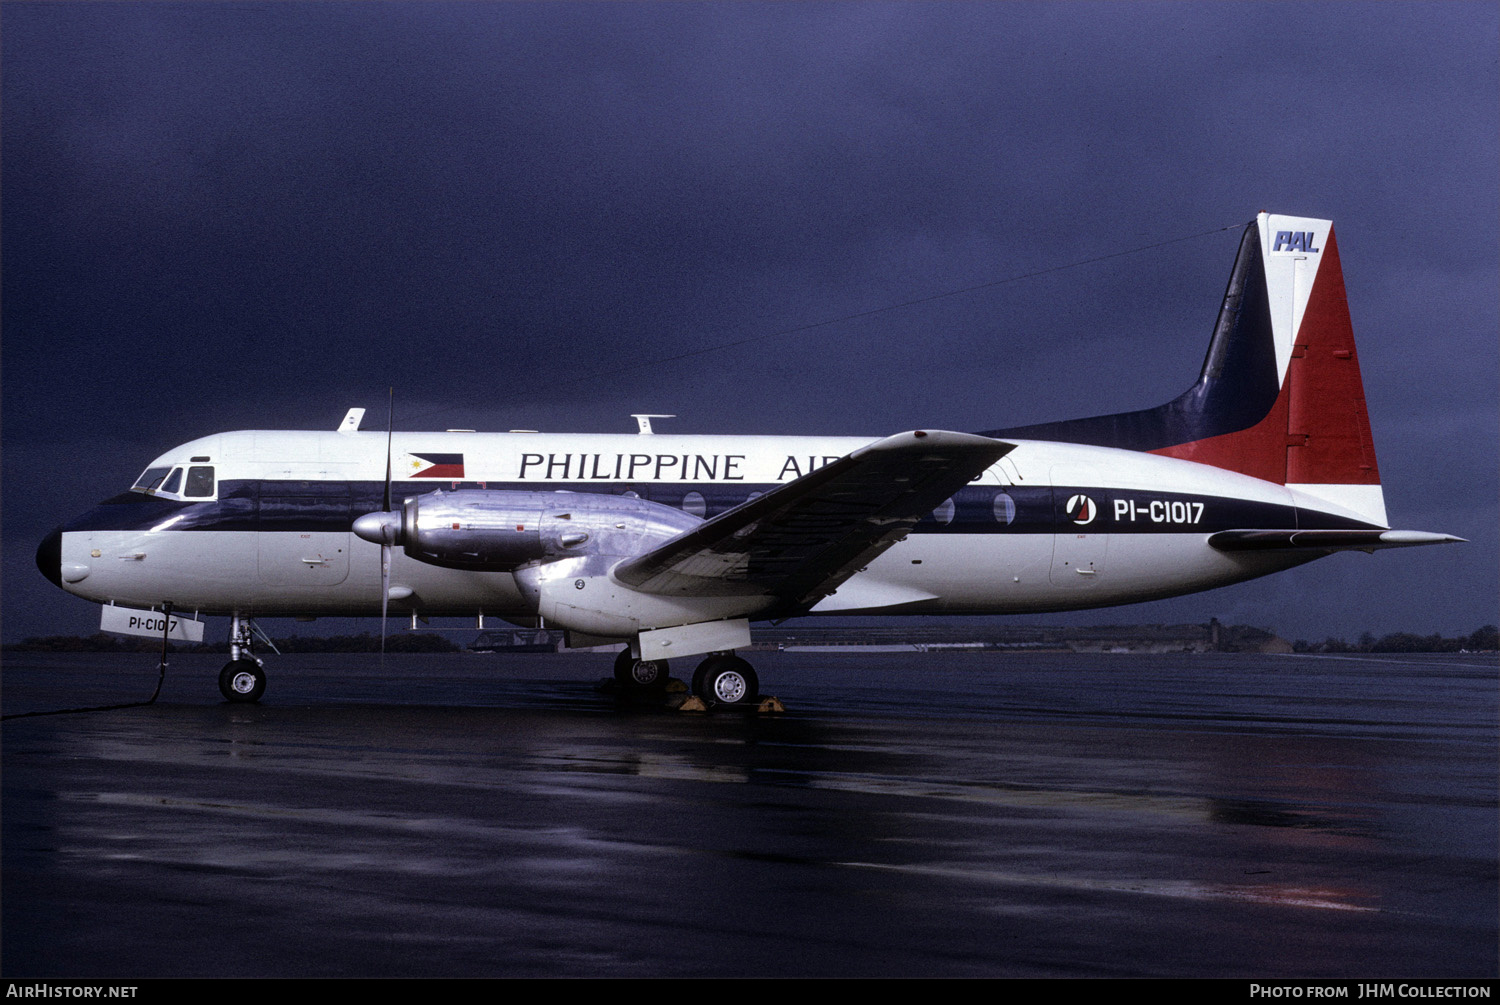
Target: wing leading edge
797, 543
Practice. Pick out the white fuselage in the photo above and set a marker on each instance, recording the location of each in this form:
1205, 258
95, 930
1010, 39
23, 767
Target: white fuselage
1052, 526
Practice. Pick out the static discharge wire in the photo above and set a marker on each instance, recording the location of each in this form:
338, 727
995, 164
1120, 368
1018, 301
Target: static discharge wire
161, 675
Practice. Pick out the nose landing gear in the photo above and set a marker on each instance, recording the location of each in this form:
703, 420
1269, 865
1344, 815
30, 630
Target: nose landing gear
243, 679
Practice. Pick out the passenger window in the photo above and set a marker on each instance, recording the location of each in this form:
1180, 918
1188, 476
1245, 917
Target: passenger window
200, 483
173, 481
695, 504
1005, 509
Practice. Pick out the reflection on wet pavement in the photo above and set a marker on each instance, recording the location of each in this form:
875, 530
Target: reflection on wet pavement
1001, 816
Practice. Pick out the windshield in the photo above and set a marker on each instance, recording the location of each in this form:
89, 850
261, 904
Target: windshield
150, 479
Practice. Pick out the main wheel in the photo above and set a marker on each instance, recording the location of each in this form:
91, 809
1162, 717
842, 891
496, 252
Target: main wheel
726, 680
242, 680
631, 672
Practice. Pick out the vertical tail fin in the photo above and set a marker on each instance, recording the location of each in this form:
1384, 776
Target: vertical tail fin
1280, 396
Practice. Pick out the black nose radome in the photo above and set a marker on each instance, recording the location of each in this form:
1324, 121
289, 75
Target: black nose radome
49, 556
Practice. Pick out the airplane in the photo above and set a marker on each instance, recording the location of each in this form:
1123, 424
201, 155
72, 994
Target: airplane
671, 545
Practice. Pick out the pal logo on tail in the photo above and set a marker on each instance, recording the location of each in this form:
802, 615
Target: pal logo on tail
1295, 240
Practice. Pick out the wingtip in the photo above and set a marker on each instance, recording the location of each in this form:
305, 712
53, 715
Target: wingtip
1415, 537
940, 437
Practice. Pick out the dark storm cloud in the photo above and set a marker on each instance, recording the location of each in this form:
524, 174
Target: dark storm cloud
233, 215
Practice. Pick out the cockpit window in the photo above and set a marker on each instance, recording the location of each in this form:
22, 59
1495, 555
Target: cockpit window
194, 482
200, 483
150, 480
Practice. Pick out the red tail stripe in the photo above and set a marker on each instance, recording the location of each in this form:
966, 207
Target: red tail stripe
1318, 432
1327, 395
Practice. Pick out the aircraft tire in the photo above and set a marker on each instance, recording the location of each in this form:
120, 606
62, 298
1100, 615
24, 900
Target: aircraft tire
726, 680
640, 674
242, 681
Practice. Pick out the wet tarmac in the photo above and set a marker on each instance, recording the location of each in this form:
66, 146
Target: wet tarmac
963, 814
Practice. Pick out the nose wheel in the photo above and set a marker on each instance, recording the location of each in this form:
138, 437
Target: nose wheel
725, 679
242, 681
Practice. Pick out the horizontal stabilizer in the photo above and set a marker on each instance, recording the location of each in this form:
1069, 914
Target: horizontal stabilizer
1324, 540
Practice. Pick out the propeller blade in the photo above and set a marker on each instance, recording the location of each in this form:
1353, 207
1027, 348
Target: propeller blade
387, 535
385, 591
390, 423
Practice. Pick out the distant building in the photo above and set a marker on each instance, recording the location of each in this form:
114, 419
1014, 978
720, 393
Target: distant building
1212, 637
517, 640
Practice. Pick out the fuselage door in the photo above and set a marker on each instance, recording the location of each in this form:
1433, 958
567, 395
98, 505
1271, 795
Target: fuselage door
1080, 542
304, 534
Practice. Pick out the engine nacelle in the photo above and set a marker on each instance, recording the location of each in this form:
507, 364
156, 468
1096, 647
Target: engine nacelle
494, 530
580, 594
560, 546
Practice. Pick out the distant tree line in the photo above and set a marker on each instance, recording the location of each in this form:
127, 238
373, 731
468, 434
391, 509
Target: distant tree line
1486, 639
101, 642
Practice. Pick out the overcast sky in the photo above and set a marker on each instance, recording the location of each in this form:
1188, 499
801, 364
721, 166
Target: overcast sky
222, 216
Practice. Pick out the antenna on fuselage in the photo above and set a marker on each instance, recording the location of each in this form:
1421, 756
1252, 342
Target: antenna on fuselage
643, 421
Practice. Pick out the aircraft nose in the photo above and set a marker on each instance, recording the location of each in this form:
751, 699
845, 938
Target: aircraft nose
49, 556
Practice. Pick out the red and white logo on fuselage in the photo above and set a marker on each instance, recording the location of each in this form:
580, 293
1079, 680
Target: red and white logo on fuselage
1081, 509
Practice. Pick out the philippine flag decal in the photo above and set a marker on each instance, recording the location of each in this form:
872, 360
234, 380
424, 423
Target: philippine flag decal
447, 466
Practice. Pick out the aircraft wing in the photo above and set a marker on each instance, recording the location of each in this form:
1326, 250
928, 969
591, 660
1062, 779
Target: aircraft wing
799, 541
1323, 540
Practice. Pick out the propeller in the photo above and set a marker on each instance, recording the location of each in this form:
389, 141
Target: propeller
388, 536
383, 528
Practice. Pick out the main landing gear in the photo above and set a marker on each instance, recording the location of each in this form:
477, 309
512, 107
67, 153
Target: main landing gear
721, 679
725, 679
641, 675
243, 679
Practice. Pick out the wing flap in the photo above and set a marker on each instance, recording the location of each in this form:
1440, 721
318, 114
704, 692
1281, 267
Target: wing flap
797, 543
